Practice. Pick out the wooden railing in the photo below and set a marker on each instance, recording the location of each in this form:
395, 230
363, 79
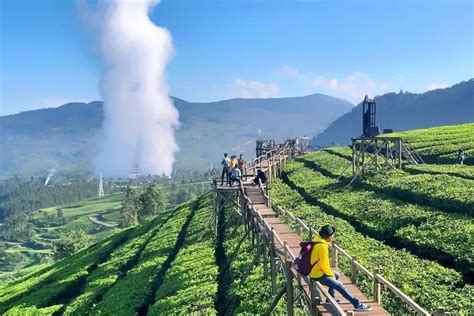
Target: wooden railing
286, 258
273, 170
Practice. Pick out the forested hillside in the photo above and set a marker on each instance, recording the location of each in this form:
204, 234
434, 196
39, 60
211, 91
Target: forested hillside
406, 111
64, 138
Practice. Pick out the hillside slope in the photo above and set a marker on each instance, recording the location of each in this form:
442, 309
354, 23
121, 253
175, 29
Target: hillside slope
170, 265
64, 138
405, 111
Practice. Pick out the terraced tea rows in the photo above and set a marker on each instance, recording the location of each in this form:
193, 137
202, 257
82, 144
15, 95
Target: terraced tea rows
440, 144
427, 282
381, 214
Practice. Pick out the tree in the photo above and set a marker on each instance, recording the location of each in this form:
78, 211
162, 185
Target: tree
70, 242
17, 228
130, 208
153, 201
60, 220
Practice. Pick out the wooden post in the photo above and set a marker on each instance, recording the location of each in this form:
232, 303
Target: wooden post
363, 156
272, 259
399, 145
377, 288
334, 257
272, 162
315, 299
257, 237
289, 283
254, 229
353, 157
265, 259
376, 155
269, 201
354, 271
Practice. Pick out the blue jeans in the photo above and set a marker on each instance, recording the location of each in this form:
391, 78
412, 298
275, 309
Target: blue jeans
335, 285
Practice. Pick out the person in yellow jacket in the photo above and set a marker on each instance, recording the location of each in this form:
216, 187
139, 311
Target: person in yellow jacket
233, 162
322, 271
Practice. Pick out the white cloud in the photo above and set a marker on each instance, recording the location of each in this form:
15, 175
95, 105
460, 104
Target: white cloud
289, 71
352, 87
255, 89
437, 85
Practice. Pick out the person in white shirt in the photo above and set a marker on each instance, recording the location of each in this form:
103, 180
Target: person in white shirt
225, 169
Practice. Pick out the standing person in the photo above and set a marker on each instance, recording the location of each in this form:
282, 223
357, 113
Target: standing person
322, 271
241, 165
461, 157
225, 169
233, 161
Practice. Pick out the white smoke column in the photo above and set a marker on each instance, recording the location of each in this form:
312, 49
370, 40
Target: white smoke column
50, 175
140, 119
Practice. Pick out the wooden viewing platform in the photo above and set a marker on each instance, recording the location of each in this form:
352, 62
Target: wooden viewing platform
279, 245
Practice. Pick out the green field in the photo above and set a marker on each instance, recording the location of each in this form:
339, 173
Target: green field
439, 145
76, 216
415, 226
40, 248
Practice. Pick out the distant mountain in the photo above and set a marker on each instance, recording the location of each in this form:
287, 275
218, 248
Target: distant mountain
64, 138
404, 111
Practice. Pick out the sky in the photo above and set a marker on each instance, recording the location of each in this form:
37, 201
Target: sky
227, 49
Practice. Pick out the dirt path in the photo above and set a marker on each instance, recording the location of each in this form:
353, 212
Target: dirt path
96, 219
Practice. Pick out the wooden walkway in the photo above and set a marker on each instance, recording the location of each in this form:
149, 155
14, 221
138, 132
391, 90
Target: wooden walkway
293, 240
279, 244
285, 233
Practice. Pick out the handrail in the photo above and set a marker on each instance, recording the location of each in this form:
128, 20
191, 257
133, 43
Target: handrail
359, 267
403, 296
291, 259
336, 249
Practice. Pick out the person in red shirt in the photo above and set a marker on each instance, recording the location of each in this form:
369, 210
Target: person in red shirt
241, 165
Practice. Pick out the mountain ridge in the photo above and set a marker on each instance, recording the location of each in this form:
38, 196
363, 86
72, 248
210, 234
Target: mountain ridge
65, 136
405, 111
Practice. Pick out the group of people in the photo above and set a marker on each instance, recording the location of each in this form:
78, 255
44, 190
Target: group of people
234, 170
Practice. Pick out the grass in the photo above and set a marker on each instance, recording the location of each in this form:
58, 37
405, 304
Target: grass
85, 207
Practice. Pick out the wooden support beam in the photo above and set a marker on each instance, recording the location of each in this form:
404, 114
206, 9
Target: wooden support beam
275, 301
236, 250
315, 298
265, 254
272, 259
377, 288
354, 270
334, 256
289, 283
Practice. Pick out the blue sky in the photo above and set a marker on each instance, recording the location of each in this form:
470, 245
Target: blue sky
226, 49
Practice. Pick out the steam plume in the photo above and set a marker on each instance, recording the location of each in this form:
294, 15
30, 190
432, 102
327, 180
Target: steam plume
140, 119
50, 175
